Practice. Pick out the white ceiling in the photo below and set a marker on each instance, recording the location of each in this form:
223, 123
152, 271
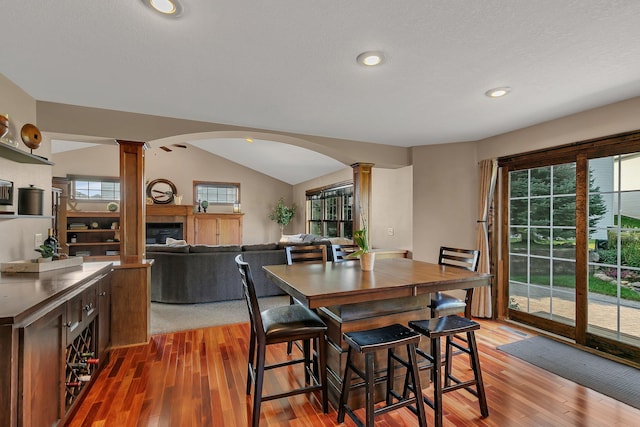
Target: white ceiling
290, 65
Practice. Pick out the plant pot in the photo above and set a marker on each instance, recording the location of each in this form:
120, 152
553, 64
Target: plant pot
48, 259
367, 260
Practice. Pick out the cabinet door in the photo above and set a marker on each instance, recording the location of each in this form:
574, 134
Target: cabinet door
206, 230
229, 231
104, 317
41, 373
75, 318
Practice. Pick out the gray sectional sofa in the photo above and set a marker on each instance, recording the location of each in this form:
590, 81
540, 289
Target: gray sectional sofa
190, 274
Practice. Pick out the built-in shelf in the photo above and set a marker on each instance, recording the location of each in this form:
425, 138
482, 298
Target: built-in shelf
94, 242
19, 156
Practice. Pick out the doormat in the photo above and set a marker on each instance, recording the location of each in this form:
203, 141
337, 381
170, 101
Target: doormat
605, 376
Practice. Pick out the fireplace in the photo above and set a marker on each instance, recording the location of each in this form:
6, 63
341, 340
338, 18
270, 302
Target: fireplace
157, 232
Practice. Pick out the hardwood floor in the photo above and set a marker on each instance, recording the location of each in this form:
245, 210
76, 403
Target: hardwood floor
197, 378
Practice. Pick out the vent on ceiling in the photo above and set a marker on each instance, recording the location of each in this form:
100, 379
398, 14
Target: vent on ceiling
168, 150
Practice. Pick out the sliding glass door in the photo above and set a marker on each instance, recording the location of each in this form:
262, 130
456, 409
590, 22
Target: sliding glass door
542, 241
614, 249
571, 242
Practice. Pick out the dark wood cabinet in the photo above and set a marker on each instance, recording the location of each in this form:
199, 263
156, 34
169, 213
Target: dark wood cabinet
104, 318
41, 371
52, 324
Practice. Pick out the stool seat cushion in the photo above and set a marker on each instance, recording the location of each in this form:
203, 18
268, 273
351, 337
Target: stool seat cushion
442, 302
443, 326
380, 338
290, 320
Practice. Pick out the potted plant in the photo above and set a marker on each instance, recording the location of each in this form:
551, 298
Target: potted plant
46, 253
367, 258
282, 214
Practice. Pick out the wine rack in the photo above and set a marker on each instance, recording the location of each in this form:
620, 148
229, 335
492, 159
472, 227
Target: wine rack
80, 358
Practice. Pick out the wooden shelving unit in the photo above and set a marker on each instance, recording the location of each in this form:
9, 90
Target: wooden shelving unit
99, 237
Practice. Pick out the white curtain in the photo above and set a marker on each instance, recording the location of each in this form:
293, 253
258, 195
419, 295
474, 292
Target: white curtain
481, 303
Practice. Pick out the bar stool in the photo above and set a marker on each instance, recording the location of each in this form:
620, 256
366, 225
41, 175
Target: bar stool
279, 325
367, 343
447, 327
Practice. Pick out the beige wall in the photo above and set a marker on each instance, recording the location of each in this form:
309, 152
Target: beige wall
18, 234
391, 204
444, 198
392, 207
446, 177
258, 192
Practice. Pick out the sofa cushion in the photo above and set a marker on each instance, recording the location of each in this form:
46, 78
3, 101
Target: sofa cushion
260, 247
291, 238
312, 238
214, 248
165, 248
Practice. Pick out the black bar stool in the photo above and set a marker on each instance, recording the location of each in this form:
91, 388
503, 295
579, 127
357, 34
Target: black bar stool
368, 342
447, 327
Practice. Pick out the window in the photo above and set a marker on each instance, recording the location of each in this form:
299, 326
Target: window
329, 211
98, 189
217, 193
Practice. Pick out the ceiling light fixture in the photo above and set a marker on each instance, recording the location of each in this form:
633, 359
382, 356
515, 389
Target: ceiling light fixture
171, 8
498, 92
249, 140
370, 58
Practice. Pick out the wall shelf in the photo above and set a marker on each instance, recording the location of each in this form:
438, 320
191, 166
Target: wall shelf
15, 216
19, 156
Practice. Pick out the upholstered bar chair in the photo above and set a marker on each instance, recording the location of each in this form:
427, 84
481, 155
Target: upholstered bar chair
278, 325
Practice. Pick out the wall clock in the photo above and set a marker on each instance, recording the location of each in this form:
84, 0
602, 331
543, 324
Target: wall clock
161, 191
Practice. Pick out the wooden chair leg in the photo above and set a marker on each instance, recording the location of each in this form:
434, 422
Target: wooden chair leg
321, 364
475, 361
257, 391
370, 388
346, 387
251, 361
290, 343
417, 388
390, 375
306, 350
437, 381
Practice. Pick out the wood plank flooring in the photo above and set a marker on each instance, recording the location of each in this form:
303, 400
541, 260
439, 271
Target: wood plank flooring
197, 378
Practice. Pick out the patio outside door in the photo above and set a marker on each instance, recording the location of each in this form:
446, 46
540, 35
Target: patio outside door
542, 243
574, 248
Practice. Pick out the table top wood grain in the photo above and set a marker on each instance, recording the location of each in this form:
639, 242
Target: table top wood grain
318, 285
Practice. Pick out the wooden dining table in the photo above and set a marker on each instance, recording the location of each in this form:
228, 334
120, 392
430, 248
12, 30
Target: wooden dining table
348, 299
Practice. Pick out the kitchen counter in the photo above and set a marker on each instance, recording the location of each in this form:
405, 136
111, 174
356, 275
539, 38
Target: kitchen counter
22, 294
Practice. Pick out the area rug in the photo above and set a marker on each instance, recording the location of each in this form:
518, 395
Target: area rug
605, 376
166, 318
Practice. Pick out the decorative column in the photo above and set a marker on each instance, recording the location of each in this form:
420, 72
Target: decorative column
132, 206
131, 280
362, 195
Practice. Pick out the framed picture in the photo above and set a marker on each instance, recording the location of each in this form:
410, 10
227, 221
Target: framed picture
6, 192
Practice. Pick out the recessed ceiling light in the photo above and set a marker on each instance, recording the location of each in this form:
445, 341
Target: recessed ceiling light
370, 58
171, 8
498, 92
249, 140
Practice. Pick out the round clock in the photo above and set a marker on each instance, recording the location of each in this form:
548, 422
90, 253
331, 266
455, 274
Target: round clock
161, 191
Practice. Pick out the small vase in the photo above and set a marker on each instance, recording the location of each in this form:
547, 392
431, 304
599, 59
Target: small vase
367, 260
